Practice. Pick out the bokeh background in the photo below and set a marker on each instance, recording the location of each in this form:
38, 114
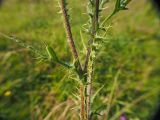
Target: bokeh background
33, 89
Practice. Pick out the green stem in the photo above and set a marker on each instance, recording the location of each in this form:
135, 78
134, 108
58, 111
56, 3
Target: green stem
90, 59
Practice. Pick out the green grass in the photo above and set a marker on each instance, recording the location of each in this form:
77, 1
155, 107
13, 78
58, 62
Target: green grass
37, 87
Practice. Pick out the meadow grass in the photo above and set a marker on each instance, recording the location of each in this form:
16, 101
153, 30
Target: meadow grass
127, 67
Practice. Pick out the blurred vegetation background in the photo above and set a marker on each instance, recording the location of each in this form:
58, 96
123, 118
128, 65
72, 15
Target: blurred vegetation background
31, 89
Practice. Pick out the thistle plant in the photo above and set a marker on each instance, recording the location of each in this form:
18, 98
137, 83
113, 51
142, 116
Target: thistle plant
96, 31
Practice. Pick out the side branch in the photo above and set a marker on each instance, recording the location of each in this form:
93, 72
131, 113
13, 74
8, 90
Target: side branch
69, 35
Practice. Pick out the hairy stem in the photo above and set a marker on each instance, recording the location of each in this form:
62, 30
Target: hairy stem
82, 102
70, 36
76, 57
95, 21
90, 60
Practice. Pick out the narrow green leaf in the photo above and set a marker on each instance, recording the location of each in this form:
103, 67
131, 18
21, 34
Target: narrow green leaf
52, 54
117, 5
65, 64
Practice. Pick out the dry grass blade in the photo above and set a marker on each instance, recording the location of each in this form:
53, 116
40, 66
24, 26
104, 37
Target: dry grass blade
63, 115
54, 109
136, 101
